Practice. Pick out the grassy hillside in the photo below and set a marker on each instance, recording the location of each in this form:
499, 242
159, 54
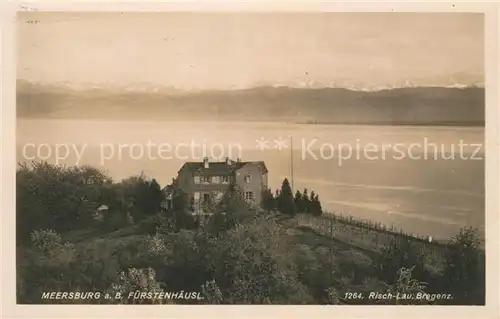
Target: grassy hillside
285, 252
327, 266
405, 106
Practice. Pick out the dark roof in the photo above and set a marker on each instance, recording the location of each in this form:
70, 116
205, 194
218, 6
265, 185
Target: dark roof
221, 168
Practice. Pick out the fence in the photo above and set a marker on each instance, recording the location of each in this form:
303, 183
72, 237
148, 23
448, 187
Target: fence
369, 235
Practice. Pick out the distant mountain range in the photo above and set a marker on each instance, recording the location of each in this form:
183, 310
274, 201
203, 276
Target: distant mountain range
399, 106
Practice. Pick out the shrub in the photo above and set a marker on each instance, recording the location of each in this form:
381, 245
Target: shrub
186, 267
406, 285
252, 264
134, 281
230, 211
183, 220
464, 272
114, 220
94, 269
48, 266
45, 240
156, 245
50, 249
400, 253
211, 292
333, 297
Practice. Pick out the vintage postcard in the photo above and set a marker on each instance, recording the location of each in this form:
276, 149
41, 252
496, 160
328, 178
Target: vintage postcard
224, 156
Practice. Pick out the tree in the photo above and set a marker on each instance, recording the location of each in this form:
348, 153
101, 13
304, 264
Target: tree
142, 195
315, 204
277, 193
298, 202
56, 197
180, 201
155, 197
230, 211
268, 202
286, 203
464, 271
306, 203
310, 203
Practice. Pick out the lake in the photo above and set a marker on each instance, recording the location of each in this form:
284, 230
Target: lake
425, 180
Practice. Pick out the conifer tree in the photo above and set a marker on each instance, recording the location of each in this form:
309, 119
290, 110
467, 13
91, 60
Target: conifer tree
267, 200
286, 202
311, 205
305, 202
298, 202
316, 206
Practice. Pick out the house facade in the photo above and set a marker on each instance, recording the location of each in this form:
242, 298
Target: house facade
208, 181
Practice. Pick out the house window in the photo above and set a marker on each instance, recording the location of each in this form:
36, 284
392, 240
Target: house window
196, 179
206, 197
206, 179
216, 179
225, 179
249, 196
196, 196
248, 179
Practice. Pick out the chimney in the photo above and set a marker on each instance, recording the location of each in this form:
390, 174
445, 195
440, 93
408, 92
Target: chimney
228, 161
205, 162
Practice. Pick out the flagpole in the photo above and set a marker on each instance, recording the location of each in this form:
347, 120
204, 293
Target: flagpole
291, 162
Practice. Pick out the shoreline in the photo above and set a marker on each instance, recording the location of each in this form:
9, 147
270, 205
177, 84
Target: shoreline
444, 125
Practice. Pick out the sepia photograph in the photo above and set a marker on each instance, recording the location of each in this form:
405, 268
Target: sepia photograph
250, 158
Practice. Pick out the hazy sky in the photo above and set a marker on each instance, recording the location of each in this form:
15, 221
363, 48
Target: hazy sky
202, 50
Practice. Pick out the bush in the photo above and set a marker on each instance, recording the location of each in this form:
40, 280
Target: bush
252, 264
47, 266
249, 262
211, 292
401, 253
230, 211
406, 285
186, 267
156, 245
135, 281
333, 296
464, 272
45, 241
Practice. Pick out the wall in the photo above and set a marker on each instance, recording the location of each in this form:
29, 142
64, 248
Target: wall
256, 184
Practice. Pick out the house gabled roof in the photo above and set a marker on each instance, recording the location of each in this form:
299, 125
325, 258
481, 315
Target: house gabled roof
260, 164
220, 168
